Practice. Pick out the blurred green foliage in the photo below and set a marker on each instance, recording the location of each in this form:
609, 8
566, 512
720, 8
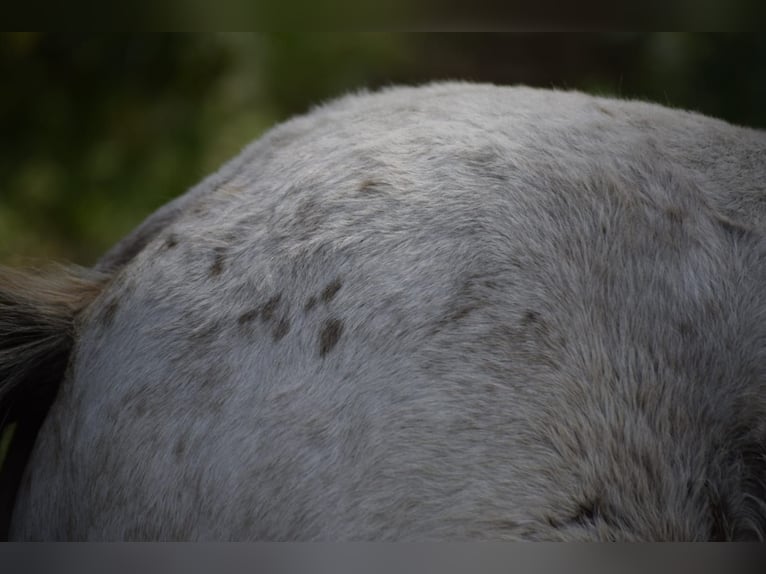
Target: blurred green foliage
98, 131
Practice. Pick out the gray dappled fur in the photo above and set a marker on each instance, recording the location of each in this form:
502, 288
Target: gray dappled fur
449, 312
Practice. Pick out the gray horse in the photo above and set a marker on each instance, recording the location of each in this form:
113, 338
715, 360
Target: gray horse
442, 313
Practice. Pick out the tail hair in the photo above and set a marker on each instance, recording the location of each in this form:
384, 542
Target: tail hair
38, 317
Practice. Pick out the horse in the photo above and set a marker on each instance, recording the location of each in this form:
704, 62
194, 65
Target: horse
447, 312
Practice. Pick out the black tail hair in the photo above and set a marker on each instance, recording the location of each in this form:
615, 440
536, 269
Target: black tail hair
38, 312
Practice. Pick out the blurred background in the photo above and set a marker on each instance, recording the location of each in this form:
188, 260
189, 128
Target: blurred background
98, 131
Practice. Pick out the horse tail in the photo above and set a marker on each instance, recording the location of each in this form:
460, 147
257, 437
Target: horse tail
38, 319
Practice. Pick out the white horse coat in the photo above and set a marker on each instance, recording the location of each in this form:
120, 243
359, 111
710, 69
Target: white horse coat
449, 312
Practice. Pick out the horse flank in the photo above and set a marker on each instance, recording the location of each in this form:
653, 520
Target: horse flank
449, 312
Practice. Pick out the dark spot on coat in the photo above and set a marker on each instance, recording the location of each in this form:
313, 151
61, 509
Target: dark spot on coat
248, 316
232, 237
734, 229
552, 522
531, 318
140, 406
331, 290
268, 309
310, 304
217, 266
604, 110
470, 297
267, 313
454, 316
171, 241
462, 312
248, 522
280, 329
685, 329
180, 448
675, 215
366, 185
531, 343
369, 186
328, 338
110, 310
